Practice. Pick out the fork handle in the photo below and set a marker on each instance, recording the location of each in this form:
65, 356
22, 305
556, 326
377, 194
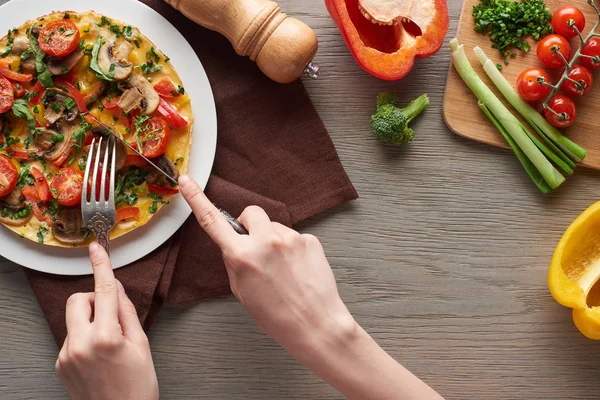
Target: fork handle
101, 227
103, 238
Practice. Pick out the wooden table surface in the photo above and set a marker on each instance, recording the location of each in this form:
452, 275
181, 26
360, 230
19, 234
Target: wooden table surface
443, 259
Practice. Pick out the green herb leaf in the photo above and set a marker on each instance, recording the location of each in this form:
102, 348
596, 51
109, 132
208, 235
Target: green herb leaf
21, 110
94, 61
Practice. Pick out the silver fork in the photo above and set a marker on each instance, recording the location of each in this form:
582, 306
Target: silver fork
98, 212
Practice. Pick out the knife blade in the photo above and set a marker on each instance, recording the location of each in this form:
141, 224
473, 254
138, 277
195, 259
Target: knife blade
235, 224
109, 130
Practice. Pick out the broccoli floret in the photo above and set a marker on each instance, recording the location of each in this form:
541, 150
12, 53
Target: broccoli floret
387, 98
390, 123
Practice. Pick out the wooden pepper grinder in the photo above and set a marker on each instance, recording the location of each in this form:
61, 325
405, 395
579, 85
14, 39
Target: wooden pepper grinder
282, 47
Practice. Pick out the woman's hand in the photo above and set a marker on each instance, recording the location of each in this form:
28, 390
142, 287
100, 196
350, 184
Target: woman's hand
106, 354
280, 276
284, 281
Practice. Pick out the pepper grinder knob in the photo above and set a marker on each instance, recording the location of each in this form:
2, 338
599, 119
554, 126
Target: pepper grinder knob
282, 47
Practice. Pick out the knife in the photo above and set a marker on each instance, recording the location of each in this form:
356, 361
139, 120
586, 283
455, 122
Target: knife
108, 129
235, 224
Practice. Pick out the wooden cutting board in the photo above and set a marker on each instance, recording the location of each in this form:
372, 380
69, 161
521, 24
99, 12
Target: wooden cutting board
463, 116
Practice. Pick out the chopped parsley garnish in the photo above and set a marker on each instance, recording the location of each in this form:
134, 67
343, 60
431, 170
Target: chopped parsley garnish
77, 140
139, 128
509, 22
116, 29
69, 32
55, 107
104, 21
179, 90
149, 67
127, 31
156, 200
42, 231
9, 44
69, 103
129, 186
66, 16
56, 137
137, 41
153, 55
22, 213
25, 178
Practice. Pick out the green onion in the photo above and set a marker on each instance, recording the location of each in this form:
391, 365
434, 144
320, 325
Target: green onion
511, 125
549, 133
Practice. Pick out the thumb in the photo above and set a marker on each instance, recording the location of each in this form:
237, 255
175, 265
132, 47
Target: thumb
128, 318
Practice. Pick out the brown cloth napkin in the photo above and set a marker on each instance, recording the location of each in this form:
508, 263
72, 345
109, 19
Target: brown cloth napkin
273, 151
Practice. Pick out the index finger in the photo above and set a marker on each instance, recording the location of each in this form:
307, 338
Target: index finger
106, 304
208, 216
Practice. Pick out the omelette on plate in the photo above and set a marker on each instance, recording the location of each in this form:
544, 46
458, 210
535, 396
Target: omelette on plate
60, 76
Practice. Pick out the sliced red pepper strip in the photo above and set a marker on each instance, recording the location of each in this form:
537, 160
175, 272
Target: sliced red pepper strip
41, 184
23, 154
63, 157
166, 88
40, 91
388, 52
161, 190
128, 213
40, 211
174, 119
19, 89
95, 95
75, 94
12, 75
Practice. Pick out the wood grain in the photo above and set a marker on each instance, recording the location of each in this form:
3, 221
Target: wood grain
443, 260
463, 116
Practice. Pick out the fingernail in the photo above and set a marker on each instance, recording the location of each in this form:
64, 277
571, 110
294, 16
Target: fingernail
94, 249
120, 286
184, 180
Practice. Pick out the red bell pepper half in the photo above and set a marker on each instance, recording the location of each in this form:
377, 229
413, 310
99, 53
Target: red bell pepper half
388, 51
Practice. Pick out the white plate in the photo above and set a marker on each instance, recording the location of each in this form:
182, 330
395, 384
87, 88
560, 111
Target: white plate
144, 240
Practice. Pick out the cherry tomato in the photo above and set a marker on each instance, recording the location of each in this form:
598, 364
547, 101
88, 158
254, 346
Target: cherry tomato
67, 186
7, 95
155, 137
162, 190
561, 21
529, 86
592, 49
8, 176
39, 210
166, 88
546, 51
41, 184
128, 213
563, 106
580, 74
59, 38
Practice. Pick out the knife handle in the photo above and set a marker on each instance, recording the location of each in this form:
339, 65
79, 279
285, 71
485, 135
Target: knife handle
235, 224
282, 47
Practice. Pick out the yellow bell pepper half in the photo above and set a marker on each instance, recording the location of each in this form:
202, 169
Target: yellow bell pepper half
575, 271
